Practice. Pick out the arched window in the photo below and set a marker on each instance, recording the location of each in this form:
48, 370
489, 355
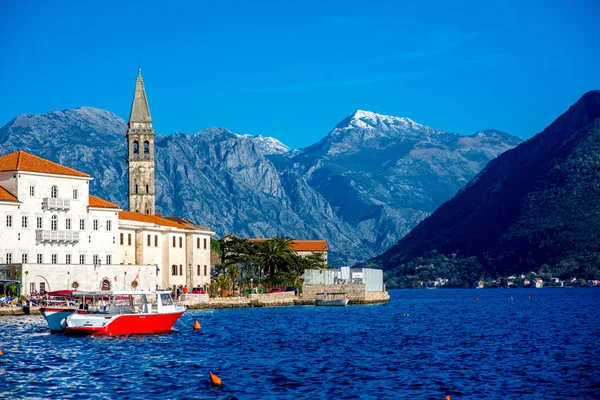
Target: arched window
136, 147
148, 212
105, 285
54, 192
173, 270
54, 223
146, 147
136, 189
147, 191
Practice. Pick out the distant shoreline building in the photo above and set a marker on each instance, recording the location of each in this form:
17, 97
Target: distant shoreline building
55, 235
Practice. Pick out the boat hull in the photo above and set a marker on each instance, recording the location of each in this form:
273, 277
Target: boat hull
56, 317
337, 302
116, 325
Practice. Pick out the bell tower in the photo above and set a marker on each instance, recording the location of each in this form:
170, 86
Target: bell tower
140, 152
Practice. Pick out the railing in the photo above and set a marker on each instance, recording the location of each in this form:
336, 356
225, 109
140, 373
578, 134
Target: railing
56, 204
56, 236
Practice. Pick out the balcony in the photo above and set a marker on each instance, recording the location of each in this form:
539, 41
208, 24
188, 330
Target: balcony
56, 236
56, 204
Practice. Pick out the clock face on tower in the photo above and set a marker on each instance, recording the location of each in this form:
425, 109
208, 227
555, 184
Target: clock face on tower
140, 152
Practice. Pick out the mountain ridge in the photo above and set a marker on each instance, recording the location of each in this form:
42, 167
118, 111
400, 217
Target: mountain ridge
230, 183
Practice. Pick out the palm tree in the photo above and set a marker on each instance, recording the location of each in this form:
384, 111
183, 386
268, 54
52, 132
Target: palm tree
276, 255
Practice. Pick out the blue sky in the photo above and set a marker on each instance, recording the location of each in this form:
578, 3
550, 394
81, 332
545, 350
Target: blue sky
292, 70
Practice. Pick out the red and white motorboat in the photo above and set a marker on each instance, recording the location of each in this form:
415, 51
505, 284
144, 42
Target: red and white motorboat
124, 313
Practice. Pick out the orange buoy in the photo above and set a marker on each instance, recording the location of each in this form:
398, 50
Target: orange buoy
197, 325
214, 380
447, 397
0, 352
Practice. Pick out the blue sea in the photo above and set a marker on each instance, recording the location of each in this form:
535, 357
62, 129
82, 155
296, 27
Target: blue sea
423, 344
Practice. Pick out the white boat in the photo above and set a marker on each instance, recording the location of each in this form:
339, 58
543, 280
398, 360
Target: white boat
331, 299
124, 313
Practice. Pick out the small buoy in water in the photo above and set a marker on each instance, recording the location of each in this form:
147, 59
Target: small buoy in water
197, 325
477, 298
511, 297
528, 297
214, 380
447, 397
0, 352
406, 315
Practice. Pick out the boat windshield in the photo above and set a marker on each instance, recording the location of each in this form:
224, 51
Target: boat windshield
166, 299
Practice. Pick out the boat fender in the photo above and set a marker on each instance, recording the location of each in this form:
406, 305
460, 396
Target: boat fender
63, 323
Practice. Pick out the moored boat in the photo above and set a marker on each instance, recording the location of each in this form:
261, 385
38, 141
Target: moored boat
124, 313
331, 299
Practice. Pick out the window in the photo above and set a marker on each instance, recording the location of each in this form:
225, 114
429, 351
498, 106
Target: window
82, 224
54, 223
147, 189
19, 236
24, 221
146, 147
68, 259
96, 259
9, 221
180, 242
42, 287
24, 258
198, 243
54, 192
32, 191
108, 225
40, 258
122, 241
68, 224
95, 224
40, 221
174, 241
129, 239
155, 240
174, 270
32, 288
136, 147
204, 243
54, 259
205, 270
136, 188
149, 240
180, 269
198, 270
82, 259
109, 259
9, 258
75, 194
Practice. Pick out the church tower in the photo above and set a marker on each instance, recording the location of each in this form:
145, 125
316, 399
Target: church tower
140, 148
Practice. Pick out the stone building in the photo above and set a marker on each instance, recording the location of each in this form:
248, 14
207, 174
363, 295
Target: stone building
140, 152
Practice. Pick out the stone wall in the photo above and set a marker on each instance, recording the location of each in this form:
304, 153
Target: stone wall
357, 294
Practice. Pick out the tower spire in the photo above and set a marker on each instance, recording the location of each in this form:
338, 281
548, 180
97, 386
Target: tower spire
140, 145
139, 109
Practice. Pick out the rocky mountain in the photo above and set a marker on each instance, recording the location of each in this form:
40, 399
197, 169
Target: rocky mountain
268, 145
361, 188
533, 208
384, 174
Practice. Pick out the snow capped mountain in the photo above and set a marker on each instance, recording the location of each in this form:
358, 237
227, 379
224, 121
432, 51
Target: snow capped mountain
268, 145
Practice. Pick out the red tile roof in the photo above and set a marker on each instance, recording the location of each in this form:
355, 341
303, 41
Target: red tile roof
5, 195
301, 245
152, 219
98, 202
22, 161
